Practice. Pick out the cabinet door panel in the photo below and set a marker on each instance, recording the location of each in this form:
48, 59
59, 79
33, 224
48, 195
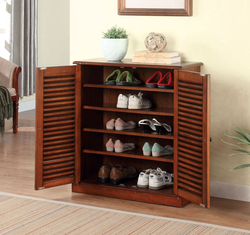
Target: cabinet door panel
58, 115
192, 137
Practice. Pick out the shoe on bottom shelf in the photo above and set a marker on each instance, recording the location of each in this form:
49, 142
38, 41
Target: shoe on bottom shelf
143, 178
160, 179
122, 147
158, 150
120, 174
104, 173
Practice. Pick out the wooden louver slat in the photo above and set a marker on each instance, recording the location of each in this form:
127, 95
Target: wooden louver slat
191, 115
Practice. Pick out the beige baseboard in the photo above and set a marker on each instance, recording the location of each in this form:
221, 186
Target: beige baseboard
230, 191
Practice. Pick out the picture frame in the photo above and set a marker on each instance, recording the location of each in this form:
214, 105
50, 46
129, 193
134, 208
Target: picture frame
155, 7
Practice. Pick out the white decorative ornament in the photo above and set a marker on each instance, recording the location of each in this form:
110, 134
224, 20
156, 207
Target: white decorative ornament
155, 42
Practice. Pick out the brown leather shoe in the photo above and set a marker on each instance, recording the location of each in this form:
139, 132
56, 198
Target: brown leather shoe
120, 174
104, 173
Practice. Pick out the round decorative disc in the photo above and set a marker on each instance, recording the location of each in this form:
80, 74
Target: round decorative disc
155, 42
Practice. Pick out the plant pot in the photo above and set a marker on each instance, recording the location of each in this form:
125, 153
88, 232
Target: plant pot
114, 49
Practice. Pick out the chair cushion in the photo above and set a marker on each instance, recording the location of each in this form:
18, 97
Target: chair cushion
12, 91
6, 72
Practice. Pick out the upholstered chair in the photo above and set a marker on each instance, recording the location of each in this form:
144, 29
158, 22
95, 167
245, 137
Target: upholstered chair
9, 73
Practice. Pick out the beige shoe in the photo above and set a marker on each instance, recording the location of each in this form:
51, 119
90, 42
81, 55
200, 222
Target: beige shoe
121, 125
110, 145
110, 125
122, 147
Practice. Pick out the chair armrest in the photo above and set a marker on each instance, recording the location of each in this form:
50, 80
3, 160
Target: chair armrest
15, 78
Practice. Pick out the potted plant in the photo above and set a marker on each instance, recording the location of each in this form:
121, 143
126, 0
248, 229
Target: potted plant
114, 43
244, 139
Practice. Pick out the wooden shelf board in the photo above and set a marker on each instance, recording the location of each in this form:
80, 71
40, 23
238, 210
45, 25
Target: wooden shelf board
130, 185
136, 154
152, 111
137, 88
133, 132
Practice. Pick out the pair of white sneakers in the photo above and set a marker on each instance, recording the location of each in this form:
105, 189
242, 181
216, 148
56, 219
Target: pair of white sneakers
154, 179
133, 102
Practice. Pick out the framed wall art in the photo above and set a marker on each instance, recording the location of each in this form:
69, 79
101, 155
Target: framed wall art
155, 7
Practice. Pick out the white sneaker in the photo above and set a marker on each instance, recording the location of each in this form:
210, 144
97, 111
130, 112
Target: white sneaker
160, 179
122, 101
143, 179
137, 102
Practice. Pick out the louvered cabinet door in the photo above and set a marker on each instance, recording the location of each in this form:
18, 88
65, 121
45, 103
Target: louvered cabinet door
192, 137
58, 105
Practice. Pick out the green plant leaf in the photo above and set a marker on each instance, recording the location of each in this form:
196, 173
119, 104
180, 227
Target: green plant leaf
241, 167
244, 133
242, 149
245, 141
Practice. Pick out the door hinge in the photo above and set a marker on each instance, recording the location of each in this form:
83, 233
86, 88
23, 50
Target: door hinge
202, 205
41, 188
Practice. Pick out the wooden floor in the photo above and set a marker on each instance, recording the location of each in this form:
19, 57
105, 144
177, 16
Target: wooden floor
17, 161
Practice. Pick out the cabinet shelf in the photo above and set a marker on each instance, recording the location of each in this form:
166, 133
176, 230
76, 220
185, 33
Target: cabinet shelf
151, 111
128, 185
133, 132
136, 154
135, 88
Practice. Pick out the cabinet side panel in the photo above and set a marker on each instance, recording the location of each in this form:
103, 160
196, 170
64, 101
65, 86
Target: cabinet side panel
39, 130
58, 126
192, 157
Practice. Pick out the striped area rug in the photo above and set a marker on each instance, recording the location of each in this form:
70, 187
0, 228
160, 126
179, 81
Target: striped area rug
28, 215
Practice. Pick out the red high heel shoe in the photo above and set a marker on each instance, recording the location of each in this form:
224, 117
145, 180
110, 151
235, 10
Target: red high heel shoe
153, 80
166, 81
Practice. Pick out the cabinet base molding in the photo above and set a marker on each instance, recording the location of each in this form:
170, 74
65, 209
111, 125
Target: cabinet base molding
128, 194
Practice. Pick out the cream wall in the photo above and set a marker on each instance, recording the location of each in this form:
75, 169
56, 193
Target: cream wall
217, 34
53, 32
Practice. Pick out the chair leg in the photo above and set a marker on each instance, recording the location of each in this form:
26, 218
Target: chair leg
15, 116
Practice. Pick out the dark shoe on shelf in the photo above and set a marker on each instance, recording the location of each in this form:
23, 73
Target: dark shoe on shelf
127, 79
166, 81
146, 124
120, 174
153, 80
161, 127
111, 79
104, 173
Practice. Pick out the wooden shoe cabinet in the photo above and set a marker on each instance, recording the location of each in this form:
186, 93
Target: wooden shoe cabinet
73, 105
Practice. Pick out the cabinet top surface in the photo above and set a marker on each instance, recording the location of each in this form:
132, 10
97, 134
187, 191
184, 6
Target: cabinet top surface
129, 63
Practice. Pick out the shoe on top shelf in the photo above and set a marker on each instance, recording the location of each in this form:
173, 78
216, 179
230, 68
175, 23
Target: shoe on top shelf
127, 79
111, 78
